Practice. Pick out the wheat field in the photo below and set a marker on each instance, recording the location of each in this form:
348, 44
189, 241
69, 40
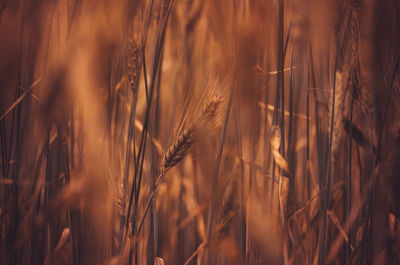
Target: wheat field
199, 132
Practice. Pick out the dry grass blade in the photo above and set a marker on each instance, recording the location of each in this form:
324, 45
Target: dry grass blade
57, 256
336, 222
287, 113
281, 161
262, 71
283, 196
307, 204
156, 142
275, 145
18, 101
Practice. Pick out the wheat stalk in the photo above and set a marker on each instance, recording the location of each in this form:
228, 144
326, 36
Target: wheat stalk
177, 151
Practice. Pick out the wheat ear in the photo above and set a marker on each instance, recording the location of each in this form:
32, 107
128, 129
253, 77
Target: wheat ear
175, 153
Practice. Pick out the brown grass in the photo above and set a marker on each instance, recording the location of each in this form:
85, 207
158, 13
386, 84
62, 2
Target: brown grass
199, 132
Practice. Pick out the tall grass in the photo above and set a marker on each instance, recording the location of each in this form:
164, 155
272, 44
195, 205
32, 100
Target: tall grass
199, 132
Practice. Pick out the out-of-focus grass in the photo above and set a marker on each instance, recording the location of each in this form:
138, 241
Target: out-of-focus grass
199, 132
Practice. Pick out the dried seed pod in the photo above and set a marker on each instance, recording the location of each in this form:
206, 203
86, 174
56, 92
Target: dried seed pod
275, 138
158, 261
283, 195
275, 144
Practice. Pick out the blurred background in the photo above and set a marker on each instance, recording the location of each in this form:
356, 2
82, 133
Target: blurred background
199, 132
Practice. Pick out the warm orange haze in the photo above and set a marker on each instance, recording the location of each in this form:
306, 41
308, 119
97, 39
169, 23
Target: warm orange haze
185, 132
